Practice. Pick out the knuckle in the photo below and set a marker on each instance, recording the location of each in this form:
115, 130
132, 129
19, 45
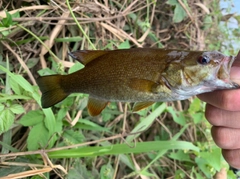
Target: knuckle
213, 116
232, 157
222, 137
230, 100
225, 101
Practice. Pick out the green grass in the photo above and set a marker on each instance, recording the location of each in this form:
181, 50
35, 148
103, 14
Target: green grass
167, 140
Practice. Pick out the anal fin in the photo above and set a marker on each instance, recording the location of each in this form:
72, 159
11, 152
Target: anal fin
141, 105
95, 106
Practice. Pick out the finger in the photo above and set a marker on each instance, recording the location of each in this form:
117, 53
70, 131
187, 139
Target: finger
235, 72
220, 117
226, 138
237, 60
225, 99
232, 157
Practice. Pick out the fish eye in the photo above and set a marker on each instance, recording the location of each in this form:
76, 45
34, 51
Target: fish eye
203, 60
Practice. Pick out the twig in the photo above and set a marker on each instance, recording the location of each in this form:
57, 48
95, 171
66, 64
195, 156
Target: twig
187, 11
21, 62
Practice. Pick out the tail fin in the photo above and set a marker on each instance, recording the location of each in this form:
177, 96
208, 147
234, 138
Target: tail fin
52, 92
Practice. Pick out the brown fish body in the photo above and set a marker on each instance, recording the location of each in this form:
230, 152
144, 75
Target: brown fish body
139, 75
115, 75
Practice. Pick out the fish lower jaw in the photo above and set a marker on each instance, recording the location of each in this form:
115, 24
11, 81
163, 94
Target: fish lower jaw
226, 84
235, 85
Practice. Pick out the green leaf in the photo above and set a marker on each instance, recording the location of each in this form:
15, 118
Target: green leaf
5, 171
145, 123
163, 151
179, 174
1, 107
5, 33
77, 66
79, 171
213, 158
209, 162
23, 83
124, 45
12, 97
198, 117
179, 14
181, 156
106, 116
202, 164
17, 109
8, 146
16, 15
146, 173
126, 159
3, 63
15, 87
195, 105
207, 22
6, 120
46, 71
32, 62
172, 2
178, 117
86, 124
73, 137
117, 149
50, 120
7, 21
38, 137
32, 118
107, 171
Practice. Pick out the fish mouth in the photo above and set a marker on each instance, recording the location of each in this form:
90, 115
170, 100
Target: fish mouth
224, 71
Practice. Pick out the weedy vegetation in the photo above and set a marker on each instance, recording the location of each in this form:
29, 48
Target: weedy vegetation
167, 140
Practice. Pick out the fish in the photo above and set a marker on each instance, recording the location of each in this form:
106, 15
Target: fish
140, 75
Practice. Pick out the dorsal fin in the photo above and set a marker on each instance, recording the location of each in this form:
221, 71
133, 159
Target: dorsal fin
86, 56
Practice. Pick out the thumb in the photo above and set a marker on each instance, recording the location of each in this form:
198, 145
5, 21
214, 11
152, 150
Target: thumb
235, 70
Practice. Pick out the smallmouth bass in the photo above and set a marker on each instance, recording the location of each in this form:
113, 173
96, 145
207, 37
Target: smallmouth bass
140, 75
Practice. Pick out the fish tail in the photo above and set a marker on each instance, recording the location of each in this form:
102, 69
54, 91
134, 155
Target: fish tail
51, 89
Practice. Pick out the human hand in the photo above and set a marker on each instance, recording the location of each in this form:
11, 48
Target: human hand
223, 112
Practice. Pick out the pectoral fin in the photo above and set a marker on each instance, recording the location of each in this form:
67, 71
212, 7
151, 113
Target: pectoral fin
141, 105
149, 86
96, 106
86, 56
142, 85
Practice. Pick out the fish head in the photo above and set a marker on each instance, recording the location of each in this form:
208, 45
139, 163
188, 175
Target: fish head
201, 72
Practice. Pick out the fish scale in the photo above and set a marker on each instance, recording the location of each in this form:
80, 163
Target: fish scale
141, 75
